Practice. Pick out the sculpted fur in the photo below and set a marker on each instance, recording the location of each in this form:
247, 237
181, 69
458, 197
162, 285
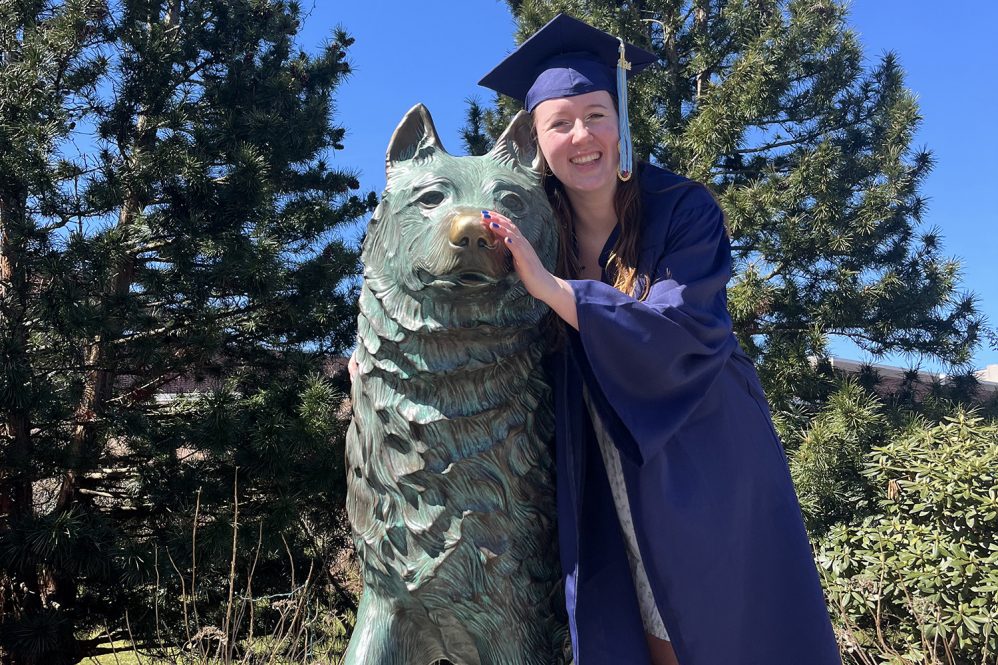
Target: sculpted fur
451, 490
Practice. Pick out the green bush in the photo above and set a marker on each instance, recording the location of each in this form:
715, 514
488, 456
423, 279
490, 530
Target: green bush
827, 453
918, 582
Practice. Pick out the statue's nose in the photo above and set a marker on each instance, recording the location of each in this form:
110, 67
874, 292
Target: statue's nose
466, 230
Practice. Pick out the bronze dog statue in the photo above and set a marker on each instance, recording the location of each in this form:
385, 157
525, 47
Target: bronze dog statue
449, 456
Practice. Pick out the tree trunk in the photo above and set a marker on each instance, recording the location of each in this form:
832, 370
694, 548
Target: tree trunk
700, 28
99, 357
15, 484
100, 379
19, 587
674, 108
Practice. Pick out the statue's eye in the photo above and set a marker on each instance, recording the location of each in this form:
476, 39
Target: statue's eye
431, 199
511, 203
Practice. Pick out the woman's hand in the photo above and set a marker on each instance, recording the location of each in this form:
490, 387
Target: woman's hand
540, 283
533, 274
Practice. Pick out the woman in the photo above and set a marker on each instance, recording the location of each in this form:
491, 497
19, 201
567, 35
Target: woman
680, 533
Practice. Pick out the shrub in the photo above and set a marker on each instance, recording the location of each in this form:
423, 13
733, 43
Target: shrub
918, 582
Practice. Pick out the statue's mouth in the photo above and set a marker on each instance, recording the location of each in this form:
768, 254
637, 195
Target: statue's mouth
464, 278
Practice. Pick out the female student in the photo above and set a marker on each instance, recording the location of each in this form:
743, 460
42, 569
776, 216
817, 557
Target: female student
680, 533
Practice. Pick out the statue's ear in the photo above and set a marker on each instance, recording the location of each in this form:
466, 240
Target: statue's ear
414, 138
518, 144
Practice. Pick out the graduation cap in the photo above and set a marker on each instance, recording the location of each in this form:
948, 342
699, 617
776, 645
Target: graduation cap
566, 58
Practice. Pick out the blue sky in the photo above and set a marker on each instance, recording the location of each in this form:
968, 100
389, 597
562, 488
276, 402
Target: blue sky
434, 52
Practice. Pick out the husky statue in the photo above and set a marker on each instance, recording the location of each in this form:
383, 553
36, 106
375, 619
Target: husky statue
449, 455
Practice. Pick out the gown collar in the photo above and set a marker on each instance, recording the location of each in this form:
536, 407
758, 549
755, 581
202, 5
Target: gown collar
604, 256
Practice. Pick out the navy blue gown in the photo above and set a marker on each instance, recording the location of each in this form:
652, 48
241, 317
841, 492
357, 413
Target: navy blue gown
715, 513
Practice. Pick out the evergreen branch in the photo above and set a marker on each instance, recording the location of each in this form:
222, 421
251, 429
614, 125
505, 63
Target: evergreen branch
767, 168
776, 272
216, 317
795, 141
685, 18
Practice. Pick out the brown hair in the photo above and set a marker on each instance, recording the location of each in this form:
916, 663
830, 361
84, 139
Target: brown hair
622, 264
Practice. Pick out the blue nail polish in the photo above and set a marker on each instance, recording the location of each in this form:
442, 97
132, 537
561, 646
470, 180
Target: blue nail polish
485, 214
509, 241
495, 225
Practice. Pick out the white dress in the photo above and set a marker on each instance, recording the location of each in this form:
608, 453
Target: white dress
650, 616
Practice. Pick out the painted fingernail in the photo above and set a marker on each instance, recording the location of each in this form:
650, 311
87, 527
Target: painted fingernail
485, 214
509, 241
495, 225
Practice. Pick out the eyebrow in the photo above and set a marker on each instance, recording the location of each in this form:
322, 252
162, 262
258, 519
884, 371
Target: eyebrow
588, 107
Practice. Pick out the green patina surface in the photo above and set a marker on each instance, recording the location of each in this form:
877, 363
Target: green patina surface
451, 492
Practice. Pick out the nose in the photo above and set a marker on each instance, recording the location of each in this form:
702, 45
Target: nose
466, 230
580, 132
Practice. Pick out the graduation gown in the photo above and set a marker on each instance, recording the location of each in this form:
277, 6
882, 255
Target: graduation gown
715, 513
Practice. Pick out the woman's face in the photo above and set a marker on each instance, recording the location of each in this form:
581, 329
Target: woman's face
578, 137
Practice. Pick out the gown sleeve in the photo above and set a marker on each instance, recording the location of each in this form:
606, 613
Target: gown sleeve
654, 360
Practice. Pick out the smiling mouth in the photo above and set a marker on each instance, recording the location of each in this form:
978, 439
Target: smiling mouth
586, 159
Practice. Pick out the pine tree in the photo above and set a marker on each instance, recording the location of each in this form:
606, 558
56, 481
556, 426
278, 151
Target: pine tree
41, 67
168, 214
476, 136
810, 154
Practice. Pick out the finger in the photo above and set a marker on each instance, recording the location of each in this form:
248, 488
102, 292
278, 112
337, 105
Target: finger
498, 219
492, 214
487, 224
493, 224
515, 250
503, 227
518, 247
504, 222
500, 230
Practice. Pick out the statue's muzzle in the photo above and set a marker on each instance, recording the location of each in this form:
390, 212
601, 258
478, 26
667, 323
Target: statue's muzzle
478, 256
466, 231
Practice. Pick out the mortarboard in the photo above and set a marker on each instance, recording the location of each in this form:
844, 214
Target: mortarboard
566, 58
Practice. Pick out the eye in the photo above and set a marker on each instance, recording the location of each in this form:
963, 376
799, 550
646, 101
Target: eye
431, 198
511, 203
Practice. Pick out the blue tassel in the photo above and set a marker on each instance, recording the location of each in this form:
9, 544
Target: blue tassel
626, 166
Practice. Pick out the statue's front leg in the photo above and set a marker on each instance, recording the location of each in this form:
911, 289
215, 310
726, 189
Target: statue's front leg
384, 636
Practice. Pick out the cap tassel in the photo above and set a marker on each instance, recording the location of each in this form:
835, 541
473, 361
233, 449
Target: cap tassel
626, 165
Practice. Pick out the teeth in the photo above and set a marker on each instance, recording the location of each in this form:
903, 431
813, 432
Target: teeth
585, 159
